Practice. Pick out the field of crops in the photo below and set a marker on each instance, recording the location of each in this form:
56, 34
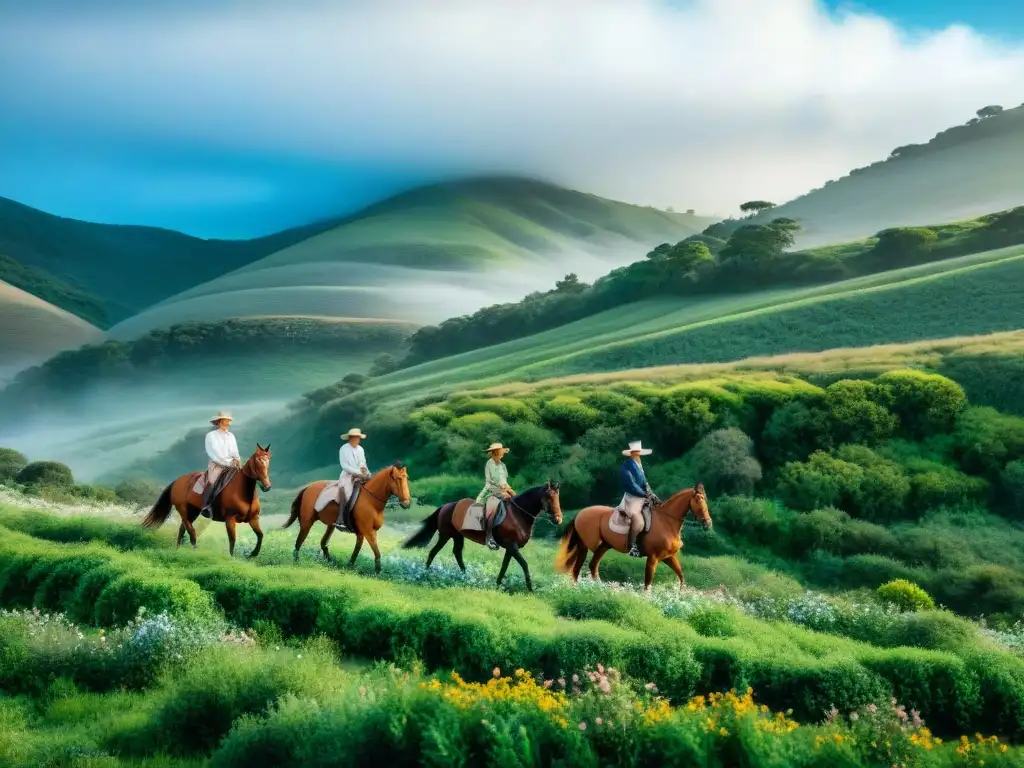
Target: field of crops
183, 657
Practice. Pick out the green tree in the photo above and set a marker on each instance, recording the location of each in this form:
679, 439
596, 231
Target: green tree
11, 463
990, 111
724, 461
925, 403
384, 364
570, 284
47, 473
754, 207
904, 245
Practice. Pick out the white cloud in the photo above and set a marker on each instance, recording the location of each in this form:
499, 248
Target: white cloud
699, 104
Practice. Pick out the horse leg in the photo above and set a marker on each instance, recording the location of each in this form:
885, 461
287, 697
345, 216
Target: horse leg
192, 536
673, 563
460, 542
355, 551
504, 565
652, 566
577, 563
229, 526
258, 530
595, 561
304, 528
514, 549
442, 539
371, 539
181, 534
323, 543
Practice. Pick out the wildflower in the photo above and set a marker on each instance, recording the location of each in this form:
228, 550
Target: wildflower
598, 721
496, 672
362, 690
600, 669
604, 686
547, 684
583, 726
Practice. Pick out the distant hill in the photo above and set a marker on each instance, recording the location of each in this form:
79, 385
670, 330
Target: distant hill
127, 268
962, 172
32, 330
57, 292
431, 253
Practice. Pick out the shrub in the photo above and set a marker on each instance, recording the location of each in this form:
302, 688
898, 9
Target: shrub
441, 489
822, 481
1012, 481
41, 473
140, 492
724, 460
925, 403
905, 595
11, 463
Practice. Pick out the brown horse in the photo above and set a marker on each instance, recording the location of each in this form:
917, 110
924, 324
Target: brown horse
590, 532
513, 533
368, 515
237, 503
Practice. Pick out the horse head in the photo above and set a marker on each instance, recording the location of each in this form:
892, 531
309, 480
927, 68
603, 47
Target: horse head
699, 506
398, 484
258, 467
551, 503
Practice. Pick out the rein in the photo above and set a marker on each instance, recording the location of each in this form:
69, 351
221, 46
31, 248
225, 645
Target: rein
364, 489
532, 516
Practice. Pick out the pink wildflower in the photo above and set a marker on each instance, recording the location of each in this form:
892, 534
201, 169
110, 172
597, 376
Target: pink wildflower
600, 668
547, 683
872, 708
575, 678
598, 721
604, 686
583, 726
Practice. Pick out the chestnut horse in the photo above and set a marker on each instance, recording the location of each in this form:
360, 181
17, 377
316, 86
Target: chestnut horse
367, 517
512, 534
237, 503
590, 532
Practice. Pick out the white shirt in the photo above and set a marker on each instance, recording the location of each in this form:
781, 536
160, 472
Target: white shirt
352, 459
221, 447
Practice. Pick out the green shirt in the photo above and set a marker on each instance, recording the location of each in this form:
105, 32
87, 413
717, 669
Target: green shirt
495, 480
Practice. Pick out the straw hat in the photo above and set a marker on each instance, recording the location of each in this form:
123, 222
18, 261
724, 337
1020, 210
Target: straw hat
354, 432
637, 447
497, 447
221, 416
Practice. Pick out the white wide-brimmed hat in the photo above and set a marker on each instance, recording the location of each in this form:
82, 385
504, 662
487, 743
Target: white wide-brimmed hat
354, 432
637, 447
221, 416
497, 447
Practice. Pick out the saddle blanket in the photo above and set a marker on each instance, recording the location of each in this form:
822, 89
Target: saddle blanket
620, 521
474, 517
200, 484
330, 493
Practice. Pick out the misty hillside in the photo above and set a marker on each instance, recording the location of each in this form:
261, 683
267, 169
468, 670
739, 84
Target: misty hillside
431, 253
122, 269
32, 330
964, 171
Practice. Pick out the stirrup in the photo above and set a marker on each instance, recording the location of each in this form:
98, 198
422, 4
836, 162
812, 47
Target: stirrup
206, 512
635, 551
492, 545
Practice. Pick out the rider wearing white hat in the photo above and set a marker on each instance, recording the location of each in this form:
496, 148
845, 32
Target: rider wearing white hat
222, 451
496, 489
353, 466
637, 491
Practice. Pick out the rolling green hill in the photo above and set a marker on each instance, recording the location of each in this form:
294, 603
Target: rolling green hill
964, 171
429, 253
54, 291
127, 268
32, 330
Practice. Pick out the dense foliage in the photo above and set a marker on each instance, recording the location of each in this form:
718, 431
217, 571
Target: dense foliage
729, 257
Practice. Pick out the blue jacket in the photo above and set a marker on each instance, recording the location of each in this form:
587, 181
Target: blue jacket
634, 482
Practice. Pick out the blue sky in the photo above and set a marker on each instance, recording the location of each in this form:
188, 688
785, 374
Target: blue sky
225, 119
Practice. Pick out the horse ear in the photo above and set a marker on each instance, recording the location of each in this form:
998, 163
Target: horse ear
267, 449
258, 447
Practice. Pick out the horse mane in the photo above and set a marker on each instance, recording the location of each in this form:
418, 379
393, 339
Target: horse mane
529, 495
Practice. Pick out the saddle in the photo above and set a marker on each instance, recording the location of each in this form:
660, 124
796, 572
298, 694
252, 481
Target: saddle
474, 518
620, 521
345, 520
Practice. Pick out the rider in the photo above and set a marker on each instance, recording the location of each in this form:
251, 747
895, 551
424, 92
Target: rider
637, 492
222, 450
496, 488
353, 468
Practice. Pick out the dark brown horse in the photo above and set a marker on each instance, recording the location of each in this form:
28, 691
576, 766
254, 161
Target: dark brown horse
367, 517
512, 534
237, 502
591, 532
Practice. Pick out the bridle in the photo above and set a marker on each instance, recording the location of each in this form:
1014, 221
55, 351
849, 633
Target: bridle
545, 505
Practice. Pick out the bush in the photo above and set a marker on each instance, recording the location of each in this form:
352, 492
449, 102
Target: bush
724, 460
1012, 481
41, 473
905, 595
140, 492
11, 463
925, 403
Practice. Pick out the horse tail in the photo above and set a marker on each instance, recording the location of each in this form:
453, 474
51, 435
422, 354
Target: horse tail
425, 533
570, 549
160, 511
295, 510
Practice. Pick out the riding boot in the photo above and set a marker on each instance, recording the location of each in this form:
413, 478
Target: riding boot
631, 547
489, 532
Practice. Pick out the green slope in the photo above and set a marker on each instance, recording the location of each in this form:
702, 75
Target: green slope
964, 171
127, 268
432, 252
54, 291
971, 294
